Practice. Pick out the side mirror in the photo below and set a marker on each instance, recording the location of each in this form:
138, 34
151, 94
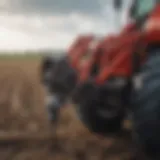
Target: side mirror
117, 4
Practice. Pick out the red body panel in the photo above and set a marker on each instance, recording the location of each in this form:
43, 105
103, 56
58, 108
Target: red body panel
113, 53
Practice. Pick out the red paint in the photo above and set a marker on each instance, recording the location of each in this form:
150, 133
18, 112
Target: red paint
113, 54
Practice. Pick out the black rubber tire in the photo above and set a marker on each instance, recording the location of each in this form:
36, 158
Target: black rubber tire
97, 124
88, 115
146, 108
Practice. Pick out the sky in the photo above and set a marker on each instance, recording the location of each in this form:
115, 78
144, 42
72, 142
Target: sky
54, 24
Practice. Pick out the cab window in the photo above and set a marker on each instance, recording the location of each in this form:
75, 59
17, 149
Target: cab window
142, 7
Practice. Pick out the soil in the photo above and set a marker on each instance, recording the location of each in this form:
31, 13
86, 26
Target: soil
22, 112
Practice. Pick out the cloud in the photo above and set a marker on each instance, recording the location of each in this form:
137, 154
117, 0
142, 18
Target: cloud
54, 6
46, 31
35, 24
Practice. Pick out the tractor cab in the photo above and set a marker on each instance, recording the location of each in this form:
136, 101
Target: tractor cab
141, 8
137, 11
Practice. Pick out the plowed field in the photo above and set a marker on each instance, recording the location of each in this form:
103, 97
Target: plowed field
22, 112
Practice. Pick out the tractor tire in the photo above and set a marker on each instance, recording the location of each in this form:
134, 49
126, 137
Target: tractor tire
97, 123
89, 114
145, 103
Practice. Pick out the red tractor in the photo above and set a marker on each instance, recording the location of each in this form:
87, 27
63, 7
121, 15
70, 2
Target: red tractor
119, 76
